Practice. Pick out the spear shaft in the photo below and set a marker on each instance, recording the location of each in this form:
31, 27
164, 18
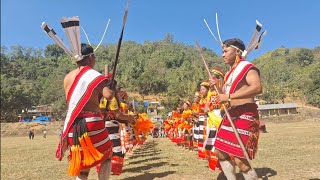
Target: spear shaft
119, 46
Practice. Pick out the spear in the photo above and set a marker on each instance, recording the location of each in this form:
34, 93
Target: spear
106, 69
227, 113
119, 45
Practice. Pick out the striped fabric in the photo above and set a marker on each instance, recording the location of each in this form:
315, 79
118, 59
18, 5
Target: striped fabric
211, 134
98, 135
195, 132
77, 97
235, 75
210, 139
114, 134
246, 120
202, 133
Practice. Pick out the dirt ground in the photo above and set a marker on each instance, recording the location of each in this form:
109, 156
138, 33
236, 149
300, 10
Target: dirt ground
289, 150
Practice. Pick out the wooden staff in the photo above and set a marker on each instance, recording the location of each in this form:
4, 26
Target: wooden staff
227, 113
134, 106
106, 69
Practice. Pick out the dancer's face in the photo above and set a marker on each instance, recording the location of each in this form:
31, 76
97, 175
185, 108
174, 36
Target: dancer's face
229, 55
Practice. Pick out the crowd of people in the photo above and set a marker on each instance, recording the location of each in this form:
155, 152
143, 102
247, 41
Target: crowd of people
222, 122
107, 129
190, 125
31, 134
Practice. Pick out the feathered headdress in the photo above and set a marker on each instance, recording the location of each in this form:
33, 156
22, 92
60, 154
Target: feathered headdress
71, 27
255, 42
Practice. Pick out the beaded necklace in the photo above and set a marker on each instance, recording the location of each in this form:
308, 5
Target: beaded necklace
229, 83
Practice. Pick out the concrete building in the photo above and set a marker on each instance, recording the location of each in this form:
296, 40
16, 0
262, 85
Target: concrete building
277, 109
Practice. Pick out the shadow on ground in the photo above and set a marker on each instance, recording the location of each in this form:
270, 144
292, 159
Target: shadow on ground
149, 176
144, 155
263, 173
145, 160
147, 149
148, 152
146, 167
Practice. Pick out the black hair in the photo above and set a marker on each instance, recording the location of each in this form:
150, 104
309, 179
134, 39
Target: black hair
235, 42
85, 50
207, 87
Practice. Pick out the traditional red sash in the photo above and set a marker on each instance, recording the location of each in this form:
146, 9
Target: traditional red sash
79, 94
235, 75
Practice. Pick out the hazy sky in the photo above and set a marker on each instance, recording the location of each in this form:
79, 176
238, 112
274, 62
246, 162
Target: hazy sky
289, 23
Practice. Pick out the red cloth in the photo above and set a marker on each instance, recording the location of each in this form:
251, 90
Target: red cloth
84, 83
246, 120
100, 140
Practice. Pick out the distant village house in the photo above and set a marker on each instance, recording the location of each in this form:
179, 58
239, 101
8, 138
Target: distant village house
277, 109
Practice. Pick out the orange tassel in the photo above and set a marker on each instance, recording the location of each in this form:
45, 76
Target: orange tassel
78, 160
87, 157
72, 161
74, 167
94, 152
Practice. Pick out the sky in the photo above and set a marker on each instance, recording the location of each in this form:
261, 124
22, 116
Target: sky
290, 24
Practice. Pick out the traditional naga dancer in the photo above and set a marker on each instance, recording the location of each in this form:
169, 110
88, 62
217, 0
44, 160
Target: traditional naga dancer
186, 124
213, 108
84, 129
195, 111
239, 131
114, 116
202, 120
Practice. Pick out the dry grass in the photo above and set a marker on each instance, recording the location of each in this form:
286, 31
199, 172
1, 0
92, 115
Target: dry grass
290, 150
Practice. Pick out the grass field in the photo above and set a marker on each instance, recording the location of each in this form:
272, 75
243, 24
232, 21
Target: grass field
290, 150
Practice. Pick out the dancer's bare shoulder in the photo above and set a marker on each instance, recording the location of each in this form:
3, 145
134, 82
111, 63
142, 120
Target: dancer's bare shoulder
69, 78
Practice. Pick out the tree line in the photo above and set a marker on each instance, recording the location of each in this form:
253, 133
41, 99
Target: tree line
31, 77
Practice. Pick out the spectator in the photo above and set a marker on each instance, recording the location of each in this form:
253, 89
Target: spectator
30, 134
45, 134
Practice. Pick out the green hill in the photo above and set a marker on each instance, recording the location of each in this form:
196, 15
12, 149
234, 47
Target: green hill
31, 77
291, 73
